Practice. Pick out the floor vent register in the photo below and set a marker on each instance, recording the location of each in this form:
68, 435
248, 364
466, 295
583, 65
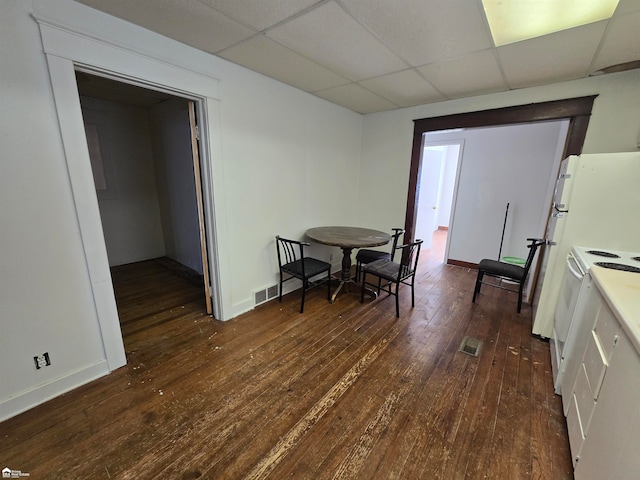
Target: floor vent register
470, 346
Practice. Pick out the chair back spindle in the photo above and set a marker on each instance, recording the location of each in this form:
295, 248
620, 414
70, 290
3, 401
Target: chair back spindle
395, 236
289, 248
410, 255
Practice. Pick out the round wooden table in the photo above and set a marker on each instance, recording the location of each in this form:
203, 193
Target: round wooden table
347, 238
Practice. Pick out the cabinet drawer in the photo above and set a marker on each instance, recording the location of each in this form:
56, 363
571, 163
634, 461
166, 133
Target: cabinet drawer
608, 329
584, 400
595, 364
576, 437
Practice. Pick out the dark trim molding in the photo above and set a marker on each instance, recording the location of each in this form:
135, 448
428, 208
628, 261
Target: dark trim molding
577, 110
460, 263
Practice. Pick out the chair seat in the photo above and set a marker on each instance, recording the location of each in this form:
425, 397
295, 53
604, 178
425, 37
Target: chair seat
501, 269
507, 271
312, 267
386, 269
394, 273
365, 255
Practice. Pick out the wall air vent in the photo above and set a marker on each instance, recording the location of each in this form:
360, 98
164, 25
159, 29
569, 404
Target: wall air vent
272, 292
261, 296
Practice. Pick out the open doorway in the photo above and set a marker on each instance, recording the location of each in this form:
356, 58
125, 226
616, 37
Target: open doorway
438, 175
176, 72
146, 175
575, 110
500, 165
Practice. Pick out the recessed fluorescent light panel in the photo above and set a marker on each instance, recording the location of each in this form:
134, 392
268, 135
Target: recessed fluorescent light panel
515, 20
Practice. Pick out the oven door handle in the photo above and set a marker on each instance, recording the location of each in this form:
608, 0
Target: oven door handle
573, 271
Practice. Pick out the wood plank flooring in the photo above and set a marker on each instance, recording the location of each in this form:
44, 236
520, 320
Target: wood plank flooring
343, 391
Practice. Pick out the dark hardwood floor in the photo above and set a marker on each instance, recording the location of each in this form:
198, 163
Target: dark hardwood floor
341, 391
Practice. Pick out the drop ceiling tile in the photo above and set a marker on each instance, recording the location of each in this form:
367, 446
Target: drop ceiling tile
356, 98
265, 56
188, 21
621, 43
474, 74
422, 31
551, 58
260, 14
404, 88
329, 36
316, 45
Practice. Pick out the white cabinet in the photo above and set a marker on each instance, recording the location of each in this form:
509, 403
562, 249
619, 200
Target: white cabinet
610, 447
603, 416
588, 380
603, 402
573, 362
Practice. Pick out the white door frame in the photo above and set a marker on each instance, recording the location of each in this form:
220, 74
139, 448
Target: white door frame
68, 50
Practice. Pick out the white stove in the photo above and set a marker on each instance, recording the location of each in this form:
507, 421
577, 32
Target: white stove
569, 331
587, 257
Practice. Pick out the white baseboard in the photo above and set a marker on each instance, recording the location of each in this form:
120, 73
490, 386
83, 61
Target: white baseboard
22, 402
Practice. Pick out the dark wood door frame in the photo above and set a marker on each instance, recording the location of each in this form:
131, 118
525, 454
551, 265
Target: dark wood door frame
576, 110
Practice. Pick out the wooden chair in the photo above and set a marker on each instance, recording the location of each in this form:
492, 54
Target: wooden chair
294, 264
366, 255
394, 273
507, 271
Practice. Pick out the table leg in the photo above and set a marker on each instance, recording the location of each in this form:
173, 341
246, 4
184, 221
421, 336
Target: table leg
346, 264
345, 274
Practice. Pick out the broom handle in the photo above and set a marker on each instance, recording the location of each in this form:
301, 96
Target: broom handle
504, 225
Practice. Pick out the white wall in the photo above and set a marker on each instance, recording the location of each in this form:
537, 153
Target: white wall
46, 303
387, 138
507, 164
291, 163
285, 161
384, 167
129, 207
171, 133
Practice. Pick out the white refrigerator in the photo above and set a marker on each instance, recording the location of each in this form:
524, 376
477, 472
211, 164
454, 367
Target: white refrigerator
596, 204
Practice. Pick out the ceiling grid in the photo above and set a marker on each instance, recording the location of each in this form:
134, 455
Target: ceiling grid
376, 55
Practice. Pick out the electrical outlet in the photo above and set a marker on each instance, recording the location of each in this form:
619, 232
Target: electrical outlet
331, 257
42, 360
